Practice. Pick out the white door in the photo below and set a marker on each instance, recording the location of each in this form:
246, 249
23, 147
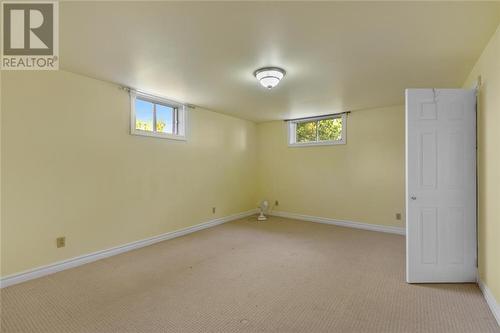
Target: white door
440, 185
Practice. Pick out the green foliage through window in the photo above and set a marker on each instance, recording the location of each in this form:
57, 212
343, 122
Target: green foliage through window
329, 129
306, 131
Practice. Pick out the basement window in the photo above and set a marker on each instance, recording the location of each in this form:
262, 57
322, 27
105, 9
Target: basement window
157, 117
324, 130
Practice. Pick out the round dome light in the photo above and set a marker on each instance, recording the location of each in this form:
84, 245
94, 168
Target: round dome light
269, 77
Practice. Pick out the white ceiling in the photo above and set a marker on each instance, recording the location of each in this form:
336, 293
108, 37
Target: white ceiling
338, 55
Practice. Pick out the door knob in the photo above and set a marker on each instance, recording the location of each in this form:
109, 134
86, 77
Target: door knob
413, 198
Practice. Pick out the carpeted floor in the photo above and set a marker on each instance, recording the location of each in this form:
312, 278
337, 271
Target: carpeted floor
277, 276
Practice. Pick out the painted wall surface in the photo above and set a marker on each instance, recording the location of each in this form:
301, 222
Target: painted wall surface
71, 168
361, 181
488, 67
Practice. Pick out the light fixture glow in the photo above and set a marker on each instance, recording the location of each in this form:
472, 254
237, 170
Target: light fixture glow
269, 77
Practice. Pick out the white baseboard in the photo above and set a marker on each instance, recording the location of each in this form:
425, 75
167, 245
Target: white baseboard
87, 258
490, 299
342, 223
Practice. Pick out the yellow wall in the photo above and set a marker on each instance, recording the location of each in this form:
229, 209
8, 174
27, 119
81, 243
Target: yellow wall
362, 181
70, 167
488, 67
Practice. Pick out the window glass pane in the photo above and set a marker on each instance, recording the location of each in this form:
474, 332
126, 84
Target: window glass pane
330, 129
306, 131
164, 119
143, 115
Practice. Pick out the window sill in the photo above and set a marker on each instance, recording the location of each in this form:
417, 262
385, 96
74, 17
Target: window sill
323, 143
159, 135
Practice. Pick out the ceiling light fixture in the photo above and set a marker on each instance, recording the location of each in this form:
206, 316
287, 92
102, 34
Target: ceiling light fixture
269, 77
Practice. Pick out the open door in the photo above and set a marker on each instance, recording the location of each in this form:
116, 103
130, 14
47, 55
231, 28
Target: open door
440, 185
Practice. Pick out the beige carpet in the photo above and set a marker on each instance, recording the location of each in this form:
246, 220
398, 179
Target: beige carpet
277, 276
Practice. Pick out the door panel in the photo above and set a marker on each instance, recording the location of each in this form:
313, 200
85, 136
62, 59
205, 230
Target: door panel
428, 160
440, 185
455, 224
428, 235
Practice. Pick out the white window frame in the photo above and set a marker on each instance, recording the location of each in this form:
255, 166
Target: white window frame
292, 131
179, 117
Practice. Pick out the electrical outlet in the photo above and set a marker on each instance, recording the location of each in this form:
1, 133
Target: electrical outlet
276, 203
213, 210
398, 216
61, 242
